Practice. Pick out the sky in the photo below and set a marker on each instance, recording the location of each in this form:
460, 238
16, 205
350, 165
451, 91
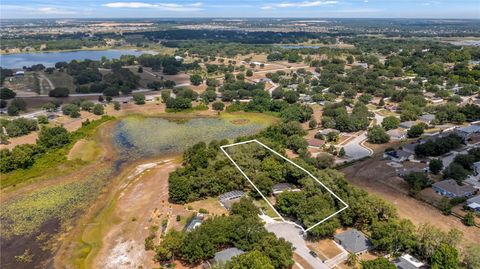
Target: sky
10, 9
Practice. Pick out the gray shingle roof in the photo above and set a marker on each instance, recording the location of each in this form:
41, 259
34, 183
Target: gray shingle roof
227, 254
231, 195
353, 241
452, 186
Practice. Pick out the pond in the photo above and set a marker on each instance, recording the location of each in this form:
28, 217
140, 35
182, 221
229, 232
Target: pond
49, 59
138, 136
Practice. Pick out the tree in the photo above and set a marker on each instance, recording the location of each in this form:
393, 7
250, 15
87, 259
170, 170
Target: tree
312, 124
116, 105
170, 246
352, 260
445, 257
98, 109
390, 122
417, 181
377, 135
140, 69
472, 256
54, 137
469, 219
378, 263
324, 160
59, 92
342, 152
6, 93
291, 97
196, 79
456, 171
71, 110
12, 110
435, 166
218, 106
254, 259
139, 99
296, 143
394, 236
415, 131
244, 208
249, 73
19, 103
42, 119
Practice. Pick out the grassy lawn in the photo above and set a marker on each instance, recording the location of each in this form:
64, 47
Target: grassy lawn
53, 163
85, 150
27, 83
268, 210
61, 79
259, 118
387, 113
211, 204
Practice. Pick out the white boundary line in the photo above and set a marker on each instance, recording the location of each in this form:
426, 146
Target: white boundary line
296, 165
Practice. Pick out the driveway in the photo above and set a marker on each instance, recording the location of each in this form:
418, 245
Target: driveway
354, 150
295, 236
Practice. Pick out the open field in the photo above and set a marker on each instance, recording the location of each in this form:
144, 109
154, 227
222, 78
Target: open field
374, 176
28, 85
61, 80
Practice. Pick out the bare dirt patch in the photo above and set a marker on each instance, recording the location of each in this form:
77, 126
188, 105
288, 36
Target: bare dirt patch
377, 178
240, 121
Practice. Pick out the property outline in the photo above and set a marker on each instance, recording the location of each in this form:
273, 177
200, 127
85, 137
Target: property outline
296, 165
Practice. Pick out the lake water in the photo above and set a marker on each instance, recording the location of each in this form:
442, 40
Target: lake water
138, 136
49, 59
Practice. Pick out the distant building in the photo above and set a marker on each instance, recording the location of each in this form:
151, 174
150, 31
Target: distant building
229, 198
467, 132
281, 187
315, 143
398, 155
353, 241
451, 189
474, 203
407, 261
427, 118
397, 134
19, 73
407, 124
402, 172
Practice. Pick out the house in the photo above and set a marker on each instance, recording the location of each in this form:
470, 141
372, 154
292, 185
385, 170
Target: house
315, 143
194, 223
229, 198
451, 189
467, 132
226, 255
327, 131
410, 147
281, 187
407, 261
361, 64
474, 203
402, 172
427, 118
353, 241
473, 181
407, 124
398, 155
178, 58
19, 73
397, 134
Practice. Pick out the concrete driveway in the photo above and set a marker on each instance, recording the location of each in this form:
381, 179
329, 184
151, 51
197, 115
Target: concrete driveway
294, 235
354, 150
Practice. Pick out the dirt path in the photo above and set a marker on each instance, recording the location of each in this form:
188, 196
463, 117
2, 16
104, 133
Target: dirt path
142, 204
375, 177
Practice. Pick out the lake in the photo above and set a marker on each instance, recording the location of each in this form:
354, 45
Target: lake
138, 136
49, 59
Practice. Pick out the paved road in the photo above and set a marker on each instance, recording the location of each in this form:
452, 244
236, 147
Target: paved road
293, 235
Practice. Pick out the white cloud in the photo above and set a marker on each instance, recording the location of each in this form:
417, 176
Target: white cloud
54, 10
299, 4
161, 6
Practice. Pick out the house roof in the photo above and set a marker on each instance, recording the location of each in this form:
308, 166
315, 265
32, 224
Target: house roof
396, 132
353, 241
474, 199
452, 186
231, 195
407, 261
427, 117
399, 153
227, 254
470, 129
281, 187
315, 142
407, 124
194, 222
